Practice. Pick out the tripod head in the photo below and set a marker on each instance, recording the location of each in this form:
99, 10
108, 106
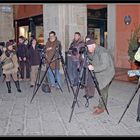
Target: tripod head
58, 48
42, 53
85, 56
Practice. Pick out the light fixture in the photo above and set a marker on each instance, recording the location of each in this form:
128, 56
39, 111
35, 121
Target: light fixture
127, 20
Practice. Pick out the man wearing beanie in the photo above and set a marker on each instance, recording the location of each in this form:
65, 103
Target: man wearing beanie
101, 62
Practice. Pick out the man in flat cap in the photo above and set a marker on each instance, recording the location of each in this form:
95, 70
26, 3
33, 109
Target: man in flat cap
101, 62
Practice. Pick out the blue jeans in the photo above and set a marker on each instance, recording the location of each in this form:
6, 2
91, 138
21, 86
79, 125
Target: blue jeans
51, 77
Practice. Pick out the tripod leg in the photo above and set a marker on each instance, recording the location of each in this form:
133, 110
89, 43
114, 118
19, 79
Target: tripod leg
97, 87
67, 78
44, 75
74, 102
138, 86
39, 84
77, 92
65, 70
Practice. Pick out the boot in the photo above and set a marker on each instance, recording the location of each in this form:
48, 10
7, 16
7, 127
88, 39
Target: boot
17, 86
8, 83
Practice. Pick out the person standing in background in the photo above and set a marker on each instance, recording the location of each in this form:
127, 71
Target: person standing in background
22, 54
10, 66
75, 58
53, 45
35, 60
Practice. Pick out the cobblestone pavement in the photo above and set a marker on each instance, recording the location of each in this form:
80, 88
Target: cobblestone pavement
49, 114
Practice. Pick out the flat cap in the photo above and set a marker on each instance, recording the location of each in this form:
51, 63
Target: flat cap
90, 42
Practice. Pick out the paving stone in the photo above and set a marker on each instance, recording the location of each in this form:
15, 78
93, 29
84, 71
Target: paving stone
3, 125
76, 133
135, 131
33, 126
32, 113
16, 127
33, 134
49, 114
2, 129
4, 114
18, 112
53, 128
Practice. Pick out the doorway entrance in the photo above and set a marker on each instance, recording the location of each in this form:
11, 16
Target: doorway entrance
97, 25
32, 26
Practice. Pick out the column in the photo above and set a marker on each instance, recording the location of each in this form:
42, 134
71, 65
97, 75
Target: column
111, 28
6, 25
76, 21
65, 20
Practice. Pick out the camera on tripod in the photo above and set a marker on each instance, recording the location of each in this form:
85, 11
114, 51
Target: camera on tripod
83, 50
42, 53
74, 50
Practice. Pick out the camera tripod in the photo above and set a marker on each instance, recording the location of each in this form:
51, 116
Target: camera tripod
92, 73
137, 88
39, 72
57, 51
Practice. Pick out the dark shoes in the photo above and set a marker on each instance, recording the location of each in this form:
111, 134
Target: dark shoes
8, 83
17, 86
87, 96
9, 91
138, 119
31, 86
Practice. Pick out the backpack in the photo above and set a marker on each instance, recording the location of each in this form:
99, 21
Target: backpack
46, 88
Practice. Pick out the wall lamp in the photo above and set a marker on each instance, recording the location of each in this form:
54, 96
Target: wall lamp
127, 20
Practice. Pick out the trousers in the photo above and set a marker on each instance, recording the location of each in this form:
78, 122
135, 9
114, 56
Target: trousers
104, 93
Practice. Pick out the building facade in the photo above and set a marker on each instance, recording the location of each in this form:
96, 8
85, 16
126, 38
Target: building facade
65, 19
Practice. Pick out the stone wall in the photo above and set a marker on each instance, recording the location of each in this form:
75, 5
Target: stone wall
6, 25
65, 20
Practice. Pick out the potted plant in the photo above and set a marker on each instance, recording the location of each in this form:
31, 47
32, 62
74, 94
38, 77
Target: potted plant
132, 46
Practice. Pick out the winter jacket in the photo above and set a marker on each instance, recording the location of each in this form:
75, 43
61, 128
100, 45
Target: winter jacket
103, 66
55, 47
34, 57
5, 59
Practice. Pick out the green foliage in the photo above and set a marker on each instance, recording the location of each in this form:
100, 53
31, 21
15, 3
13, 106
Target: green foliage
132, 43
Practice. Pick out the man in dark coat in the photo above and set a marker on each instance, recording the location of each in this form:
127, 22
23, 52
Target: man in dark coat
101, 62
22, 53
74, 58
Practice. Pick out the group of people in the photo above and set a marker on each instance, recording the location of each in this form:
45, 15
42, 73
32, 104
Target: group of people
28, 56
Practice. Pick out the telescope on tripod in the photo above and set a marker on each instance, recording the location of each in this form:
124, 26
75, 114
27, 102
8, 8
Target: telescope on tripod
132, 73
39, 81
